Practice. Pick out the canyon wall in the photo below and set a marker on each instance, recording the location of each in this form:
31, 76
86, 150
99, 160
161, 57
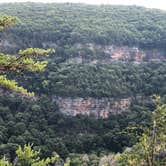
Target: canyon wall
110, 53
100, 54
100, 108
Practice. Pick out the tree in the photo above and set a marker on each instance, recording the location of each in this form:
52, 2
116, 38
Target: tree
25, 60
27, 156
5, 162
151, 149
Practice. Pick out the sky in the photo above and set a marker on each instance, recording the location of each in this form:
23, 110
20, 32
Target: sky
160, 4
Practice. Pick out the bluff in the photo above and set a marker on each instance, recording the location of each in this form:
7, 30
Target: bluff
99, 108
105, 55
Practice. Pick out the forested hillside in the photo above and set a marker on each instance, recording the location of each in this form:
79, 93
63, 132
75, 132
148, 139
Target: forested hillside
111, 55
66, 24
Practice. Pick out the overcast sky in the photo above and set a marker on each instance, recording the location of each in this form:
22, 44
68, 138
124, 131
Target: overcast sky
161, 4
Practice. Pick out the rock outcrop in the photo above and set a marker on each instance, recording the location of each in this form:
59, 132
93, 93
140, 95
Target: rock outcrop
110, 53
100, 108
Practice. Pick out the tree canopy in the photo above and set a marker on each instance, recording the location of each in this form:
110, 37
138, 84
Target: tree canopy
72, 29
67, 24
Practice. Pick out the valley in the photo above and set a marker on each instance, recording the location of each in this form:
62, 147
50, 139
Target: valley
94, 91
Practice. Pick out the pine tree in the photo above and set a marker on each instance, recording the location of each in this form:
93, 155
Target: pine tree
26, 60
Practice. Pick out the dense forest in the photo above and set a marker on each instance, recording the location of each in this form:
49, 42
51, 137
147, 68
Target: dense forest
67, 24
37, 123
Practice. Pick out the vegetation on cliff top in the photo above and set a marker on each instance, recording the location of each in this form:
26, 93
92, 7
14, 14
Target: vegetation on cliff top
66, 24
39, 122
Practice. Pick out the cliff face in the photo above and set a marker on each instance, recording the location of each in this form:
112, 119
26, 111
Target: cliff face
97, 54
110, 53
100, 108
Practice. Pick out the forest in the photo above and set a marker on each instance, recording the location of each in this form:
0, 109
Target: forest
37, 41
66, 24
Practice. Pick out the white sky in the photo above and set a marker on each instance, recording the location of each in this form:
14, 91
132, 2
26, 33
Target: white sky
161, 4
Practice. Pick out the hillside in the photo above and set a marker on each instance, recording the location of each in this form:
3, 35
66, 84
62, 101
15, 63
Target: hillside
134, 45
67, 24
97, 88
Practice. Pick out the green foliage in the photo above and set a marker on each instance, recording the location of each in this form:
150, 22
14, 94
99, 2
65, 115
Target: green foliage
29, 157
66, 24
63, 26
24, 61
5, 162
7, 21
150, 150
12, 85
118, 79
40, 123
26, 156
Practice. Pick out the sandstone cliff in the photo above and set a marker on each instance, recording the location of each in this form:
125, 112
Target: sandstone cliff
100, 108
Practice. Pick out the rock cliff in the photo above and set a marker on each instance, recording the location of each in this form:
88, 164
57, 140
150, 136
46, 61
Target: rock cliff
110, 53
100, 108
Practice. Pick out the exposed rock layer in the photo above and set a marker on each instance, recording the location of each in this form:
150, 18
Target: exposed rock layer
112, 53
100, 108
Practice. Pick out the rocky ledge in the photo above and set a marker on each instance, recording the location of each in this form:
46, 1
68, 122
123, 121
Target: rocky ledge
100, 108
